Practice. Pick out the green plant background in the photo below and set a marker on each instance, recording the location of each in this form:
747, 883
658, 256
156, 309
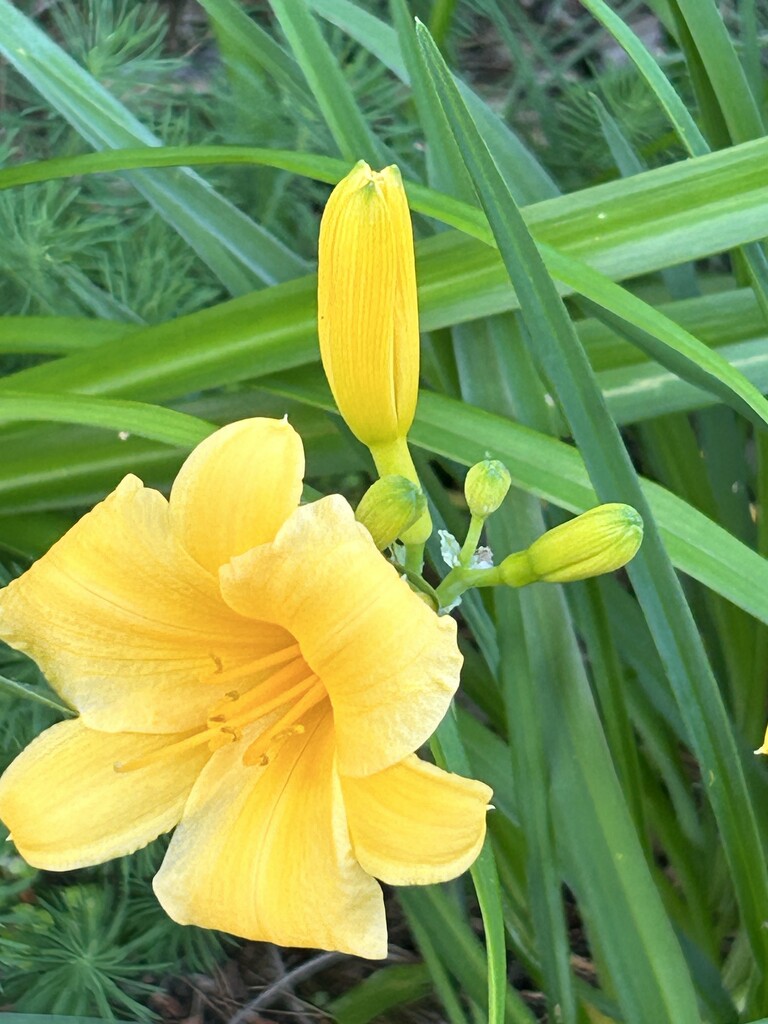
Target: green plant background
610, 154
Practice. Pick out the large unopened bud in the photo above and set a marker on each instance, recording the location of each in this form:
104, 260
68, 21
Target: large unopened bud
367, 312
389, 507
599, 541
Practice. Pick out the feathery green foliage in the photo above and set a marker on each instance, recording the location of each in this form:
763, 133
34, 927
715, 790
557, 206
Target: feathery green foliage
144, 304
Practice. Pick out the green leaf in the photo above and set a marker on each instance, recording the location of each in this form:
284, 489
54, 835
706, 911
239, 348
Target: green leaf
153, 422
659, 337
658, 590
458, 947
17, 689
662, 217
526, 176
450, 754
30, 535
245, 46
685, 127
722, 67
386, 989
57, 335
241, 253
328, 85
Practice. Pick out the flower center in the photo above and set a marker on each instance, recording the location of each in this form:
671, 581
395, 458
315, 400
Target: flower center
285, 694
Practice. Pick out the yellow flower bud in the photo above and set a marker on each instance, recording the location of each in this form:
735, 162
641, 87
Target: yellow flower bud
601, 540
389, 507
486, 486
367, 311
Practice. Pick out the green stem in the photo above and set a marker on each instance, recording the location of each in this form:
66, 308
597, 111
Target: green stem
460, 579
414, 558
392, 458
472, 540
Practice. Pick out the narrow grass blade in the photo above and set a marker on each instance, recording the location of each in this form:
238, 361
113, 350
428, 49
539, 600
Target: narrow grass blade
658, 589
245, 43
16, 689
682, 121
721, 64
389, 988
327, 83
443, 983
450, 753
458, 947
57, 335
662, 217
240, 252
446, 171
526, 176
153, 422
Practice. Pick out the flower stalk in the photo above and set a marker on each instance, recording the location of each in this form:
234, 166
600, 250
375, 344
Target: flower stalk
368, 319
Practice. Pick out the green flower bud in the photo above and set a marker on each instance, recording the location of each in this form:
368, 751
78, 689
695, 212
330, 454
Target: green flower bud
599, 541
486, 486
389, 507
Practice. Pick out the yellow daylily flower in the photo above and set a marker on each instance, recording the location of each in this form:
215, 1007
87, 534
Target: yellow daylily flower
254, 674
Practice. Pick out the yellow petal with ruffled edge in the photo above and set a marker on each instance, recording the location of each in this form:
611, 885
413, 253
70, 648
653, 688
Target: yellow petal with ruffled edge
414, 824
66, 806
389, 664
264, 852
237, 489
125, 624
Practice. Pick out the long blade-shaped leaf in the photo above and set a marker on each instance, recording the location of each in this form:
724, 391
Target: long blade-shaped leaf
326, 80
656, 585
240, 252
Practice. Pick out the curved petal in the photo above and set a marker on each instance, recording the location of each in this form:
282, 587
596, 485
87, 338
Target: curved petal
237, 489
67, 807
390, 665
125, 624
264, 852
414, 824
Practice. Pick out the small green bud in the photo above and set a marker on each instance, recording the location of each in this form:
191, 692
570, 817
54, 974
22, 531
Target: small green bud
601, 540
486, 486
389, 507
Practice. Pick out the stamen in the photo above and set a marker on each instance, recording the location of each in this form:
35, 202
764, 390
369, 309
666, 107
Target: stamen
157, 756
292, 688
251, 667
258, 749
261, 697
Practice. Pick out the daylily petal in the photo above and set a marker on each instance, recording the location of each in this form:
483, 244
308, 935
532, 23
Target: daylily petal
414, 824
125, 624
237, 489
264, 853
67, 807
389, 664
